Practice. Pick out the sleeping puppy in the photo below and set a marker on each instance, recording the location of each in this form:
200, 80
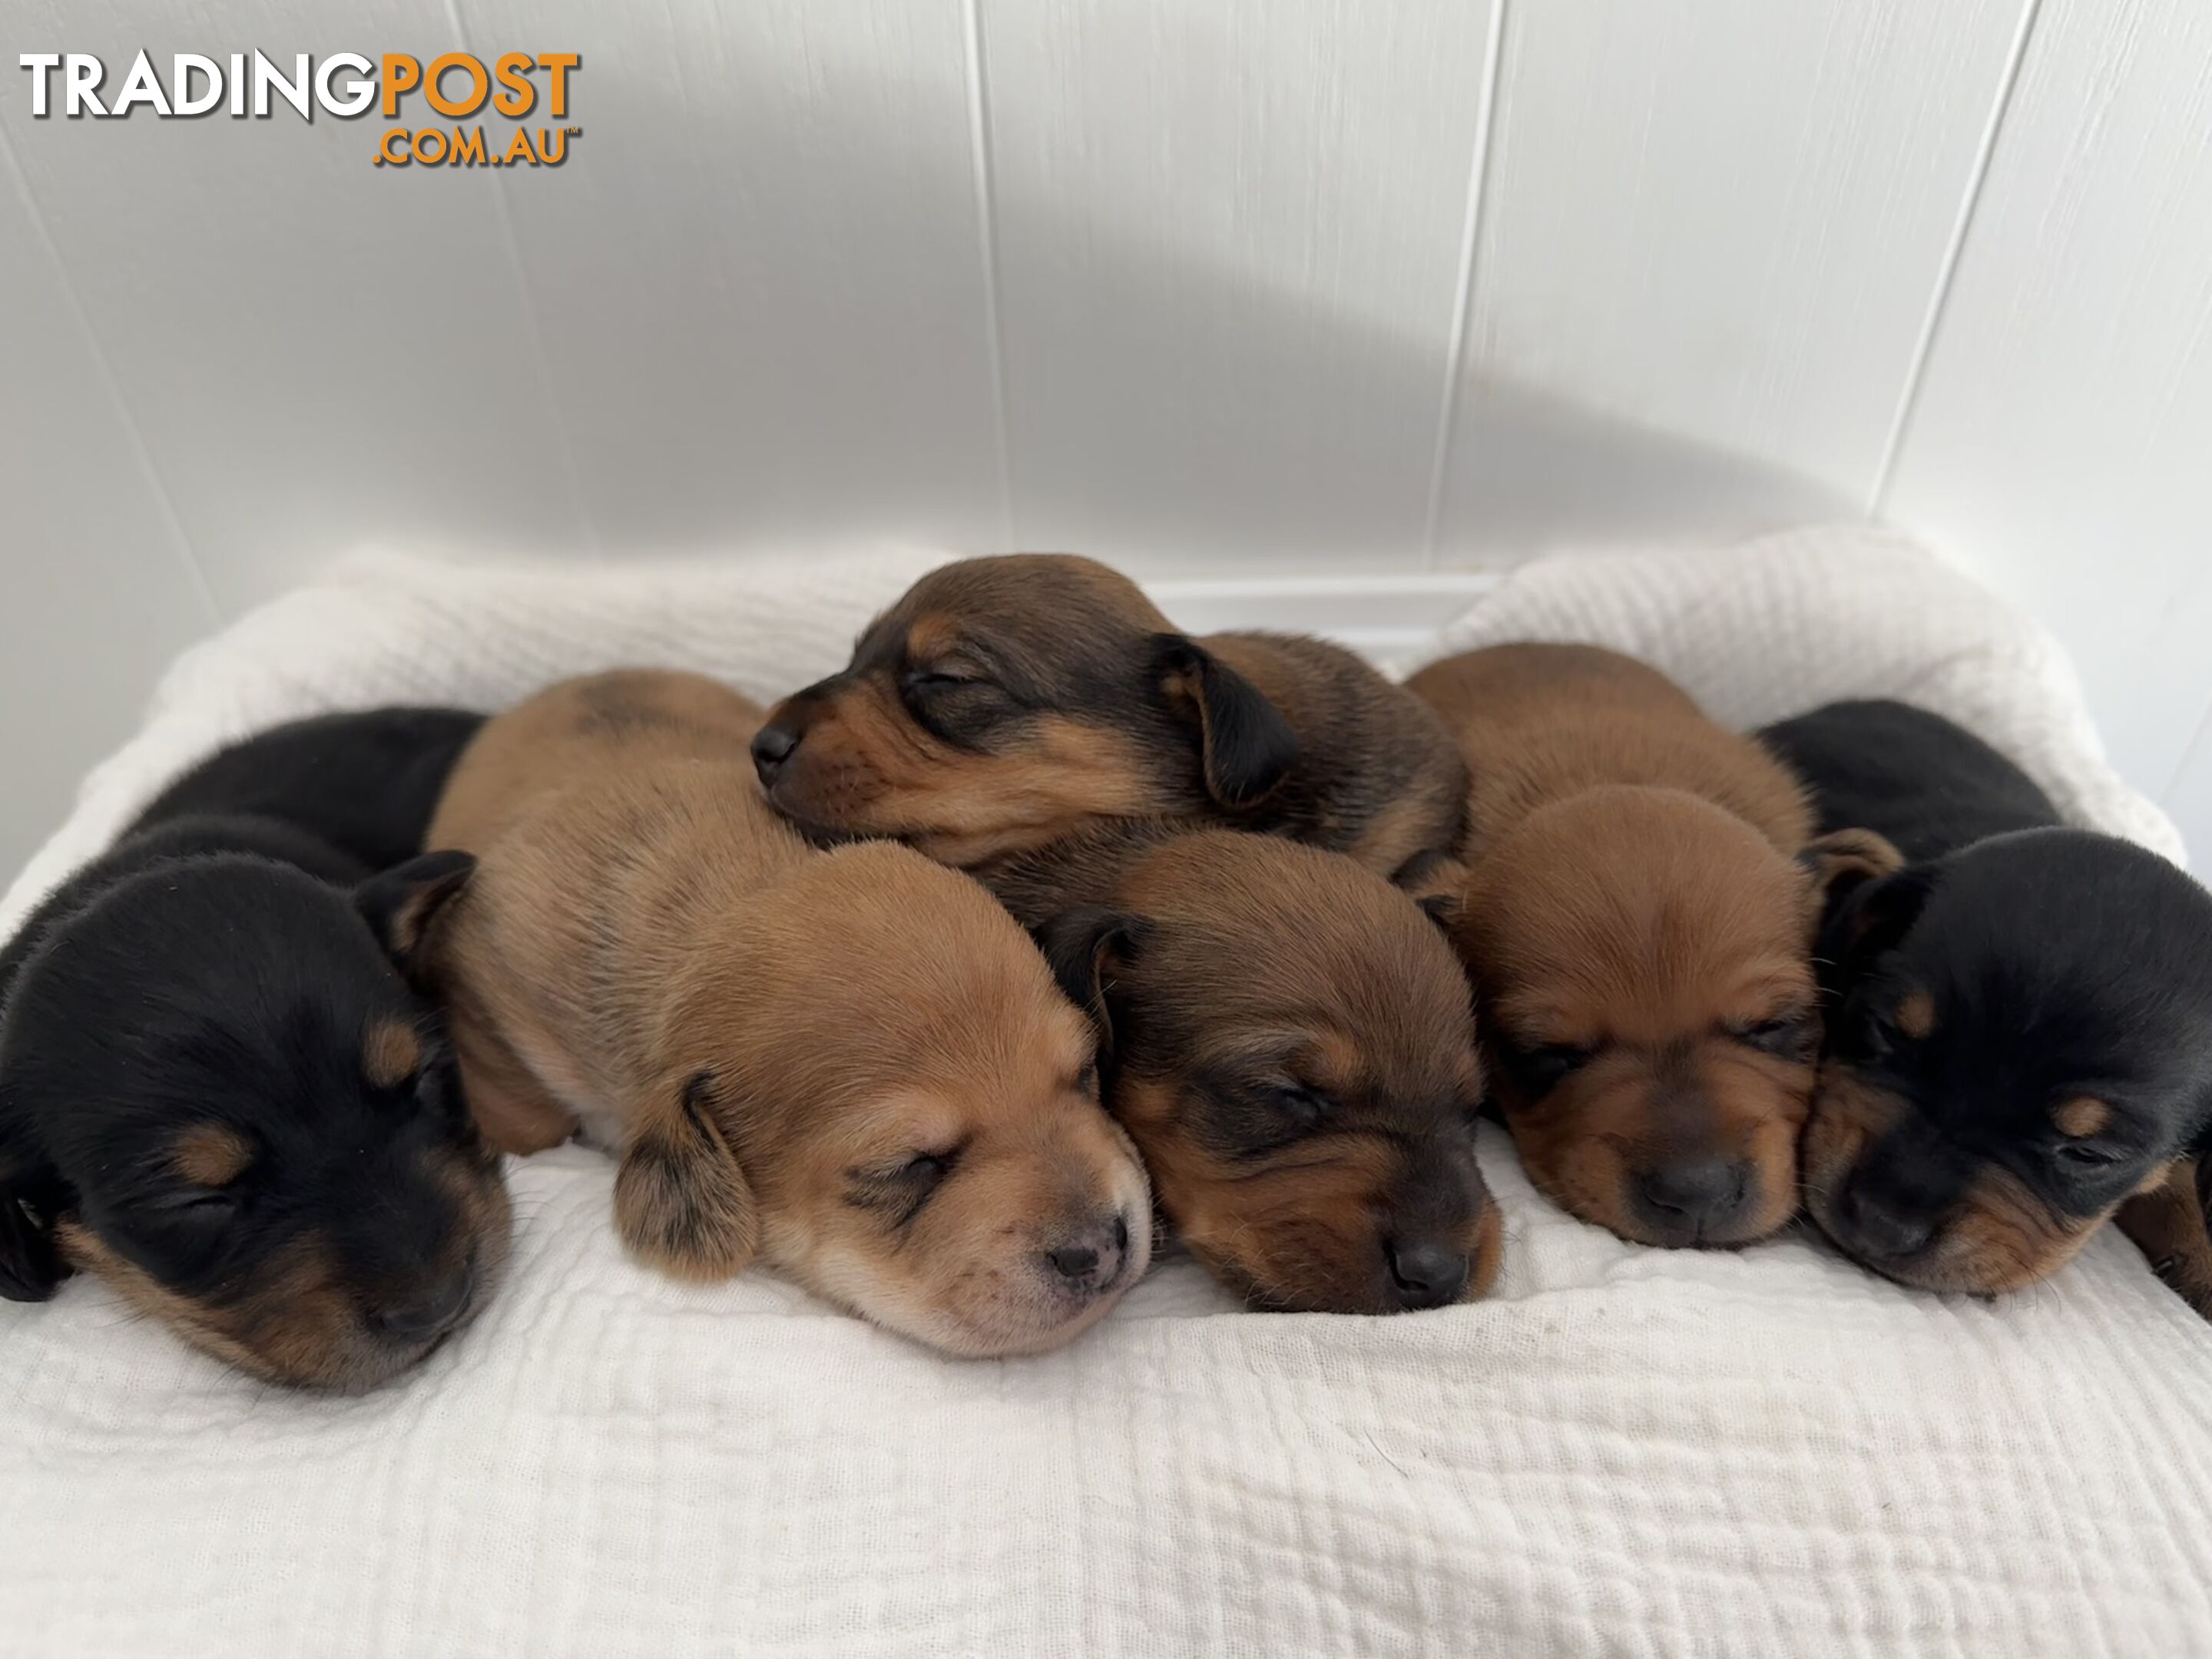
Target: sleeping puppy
1636, 908
1290, 1043
2019, 1021
1005, 702
221, 1093
852, 1064
364, 783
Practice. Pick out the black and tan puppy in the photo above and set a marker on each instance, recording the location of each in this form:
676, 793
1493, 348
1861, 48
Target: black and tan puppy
1637, 908
1004, 702
1289, 1040
364, 783
852, 1064
221, 1092
2019, 1024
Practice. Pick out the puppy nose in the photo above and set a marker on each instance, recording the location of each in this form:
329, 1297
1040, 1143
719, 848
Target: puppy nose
1696, 1192
772, 746
1875, 1227
1074, 1260
1095, 1257
430, 1314
1428, 1275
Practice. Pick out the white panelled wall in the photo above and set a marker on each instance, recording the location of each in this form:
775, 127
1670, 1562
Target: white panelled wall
1215, 288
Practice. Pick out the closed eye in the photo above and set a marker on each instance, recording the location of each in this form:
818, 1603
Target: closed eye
900, 1190
940, 677
198, 1206
1537, 1071
1300, 1108
1788, 1035
925, 1168
1880, 1033
2088, 1154
955, 703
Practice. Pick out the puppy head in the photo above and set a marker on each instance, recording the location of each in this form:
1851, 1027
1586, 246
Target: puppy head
1648, 1001
1003, 702
248, 1121
2019, 1039
905, 1114
1291, 1046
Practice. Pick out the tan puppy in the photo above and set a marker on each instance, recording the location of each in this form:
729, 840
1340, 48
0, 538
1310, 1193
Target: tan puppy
1638, 907
852, 1064
1004, 702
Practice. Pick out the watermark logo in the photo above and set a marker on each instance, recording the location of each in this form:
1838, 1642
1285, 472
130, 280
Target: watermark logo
344, 85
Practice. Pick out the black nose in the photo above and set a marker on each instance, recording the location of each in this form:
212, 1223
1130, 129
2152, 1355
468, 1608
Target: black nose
1094, 1258
430, 1314
1872, 1226
1074, 1260
1428, 1275
1695, 1195
772, 746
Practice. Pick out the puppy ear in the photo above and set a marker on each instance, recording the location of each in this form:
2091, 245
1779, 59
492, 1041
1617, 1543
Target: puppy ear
681, 1202
1870, 917
1437, 884
1085, 946
1839, 863
30, 1265
399, 904
1844, 858
1245, 745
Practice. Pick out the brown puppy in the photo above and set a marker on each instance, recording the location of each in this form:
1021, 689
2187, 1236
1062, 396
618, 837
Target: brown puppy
1638, 909
850, 1063
1291, 1045
1003, 703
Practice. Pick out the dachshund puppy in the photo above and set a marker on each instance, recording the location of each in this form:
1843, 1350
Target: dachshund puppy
220, 1092
1636, 908
364, 783
1291, 1046
1005, 702
2019, 1023
851, 1064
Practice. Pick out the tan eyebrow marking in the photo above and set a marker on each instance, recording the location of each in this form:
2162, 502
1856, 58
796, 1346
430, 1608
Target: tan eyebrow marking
390, 1052
1916, 1015
2085, 1114
209, 1155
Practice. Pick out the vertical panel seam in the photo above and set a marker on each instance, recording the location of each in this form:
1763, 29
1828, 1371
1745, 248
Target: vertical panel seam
2200, 739
987, 237
1932, 321
503, 211
141, 452
1477, 180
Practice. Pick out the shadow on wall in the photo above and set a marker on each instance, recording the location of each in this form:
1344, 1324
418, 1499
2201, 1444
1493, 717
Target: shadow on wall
758, 311
1174, 413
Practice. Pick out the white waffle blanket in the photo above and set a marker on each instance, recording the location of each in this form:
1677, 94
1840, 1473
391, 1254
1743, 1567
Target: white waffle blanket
1624, 1452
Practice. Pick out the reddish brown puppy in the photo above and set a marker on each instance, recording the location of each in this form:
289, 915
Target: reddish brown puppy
1641, 892
1004, 702
852, 1065
1290, 1043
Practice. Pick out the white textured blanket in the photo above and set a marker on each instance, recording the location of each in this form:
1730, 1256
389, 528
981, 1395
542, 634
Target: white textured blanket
1625, 1452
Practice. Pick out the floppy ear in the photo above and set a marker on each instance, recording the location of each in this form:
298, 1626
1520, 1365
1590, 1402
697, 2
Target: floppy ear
1437, 884
1839, 863
1245, 745
30, 1265
1084, 947
1870, 917
681, 1202
399, 904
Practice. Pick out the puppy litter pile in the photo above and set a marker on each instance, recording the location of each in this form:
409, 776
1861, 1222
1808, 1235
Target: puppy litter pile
1624, 1450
